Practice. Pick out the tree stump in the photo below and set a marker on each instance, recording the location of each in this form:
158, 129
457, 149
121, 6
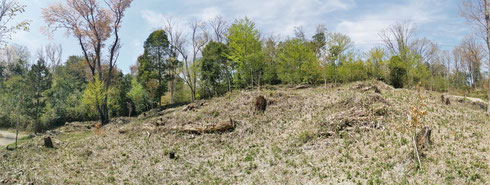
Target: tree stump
260, 104
423, 138
171, 155
377, 90
48, 143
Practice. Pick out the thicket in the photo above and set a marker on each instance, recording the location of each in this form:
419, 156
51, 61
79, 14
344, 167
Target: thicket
42, 96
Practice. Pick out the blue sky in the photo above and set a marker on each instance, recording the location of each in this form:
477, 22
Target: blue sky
362, 20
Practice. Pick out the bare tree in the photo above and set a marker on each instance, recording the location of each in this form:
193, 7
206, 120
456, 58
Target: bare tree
177, 42
398, 39
299, 32
199, 37
426, 49
428, 52
8, 10
445, 58
52, 54
472, 56
219, 27
477, 12
92, 24
11, 55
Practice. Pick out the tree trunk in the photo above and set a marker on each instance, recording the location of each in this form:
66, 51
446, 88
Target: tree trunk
100, 110
172, 89
105, 112
16, 131
487, 19
36, 127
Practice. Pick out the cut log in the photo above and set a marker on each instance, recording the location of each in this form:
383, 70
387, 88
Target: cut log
216, 128
301, 87
123, 131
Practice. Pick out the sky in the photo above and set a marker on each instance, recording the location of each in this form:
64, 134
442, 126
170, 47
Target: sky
361, 20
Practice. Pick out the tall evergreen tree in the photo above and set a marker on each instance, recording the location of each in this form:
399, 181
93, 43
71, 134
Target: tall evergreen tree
39, 80
155, 65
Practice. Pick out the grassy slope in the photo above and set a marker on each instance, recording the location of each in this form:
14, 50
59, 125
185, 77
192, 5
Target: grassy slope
288, 144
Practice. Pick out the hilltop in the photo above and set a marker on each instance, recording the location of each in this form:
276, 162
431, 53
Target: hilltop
307, 135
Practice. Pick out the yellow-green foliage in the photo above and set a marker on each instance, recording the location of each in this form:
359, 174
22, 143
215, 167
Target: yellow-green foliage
138, 96
297, 63
94, 94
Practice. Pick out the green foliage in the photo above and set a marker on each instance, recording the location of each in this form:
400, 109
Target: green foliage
15, 102
319, 40
377, 67
64, 98
39, 81
182, 92
215, 69
397, 72
246, 53
352, 71
420, 73
297, 63
338, 45
94, 94
155, 65
138, 96
118, 99
270, 62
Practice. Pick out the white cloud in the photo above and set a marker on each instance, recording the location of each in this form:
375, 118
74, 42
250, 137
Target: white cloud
277, 16
208, 14
364, 30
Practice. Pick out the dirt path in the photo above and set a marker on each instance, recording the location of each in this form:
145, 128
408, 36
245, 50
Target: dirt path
471, 99
7, 137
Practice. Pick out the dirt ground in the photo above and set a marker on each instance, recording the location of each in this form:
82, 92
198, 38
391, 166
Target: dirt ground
7, 138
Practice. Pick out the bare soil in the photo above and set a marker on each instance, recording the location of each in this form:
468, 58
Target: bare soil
7, 138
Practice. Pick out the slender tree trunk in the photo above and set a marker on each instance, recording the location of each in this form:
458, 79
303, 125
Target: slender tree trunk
16, 131
416, 150
159, 103
100, 110
487, 19
105, 112
36, 128
172, 89
228, 79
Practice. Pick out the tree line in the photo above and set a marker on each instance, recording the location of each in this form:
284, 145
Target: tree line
184, 62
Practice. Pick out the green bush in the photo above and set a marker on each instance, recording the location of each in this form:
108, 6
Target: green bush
398, 72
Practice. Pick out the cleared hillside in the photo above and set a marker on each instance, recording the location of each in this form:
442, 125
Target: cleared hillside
319, 135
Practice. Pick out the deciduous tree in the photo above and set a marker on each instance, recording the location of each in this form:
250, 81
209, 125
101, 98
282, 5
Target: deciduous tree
8, 10
477, 12
246, 53
92, 23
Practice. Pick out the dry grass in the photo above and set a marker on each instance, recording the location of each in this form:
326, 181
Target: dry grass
337, 134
